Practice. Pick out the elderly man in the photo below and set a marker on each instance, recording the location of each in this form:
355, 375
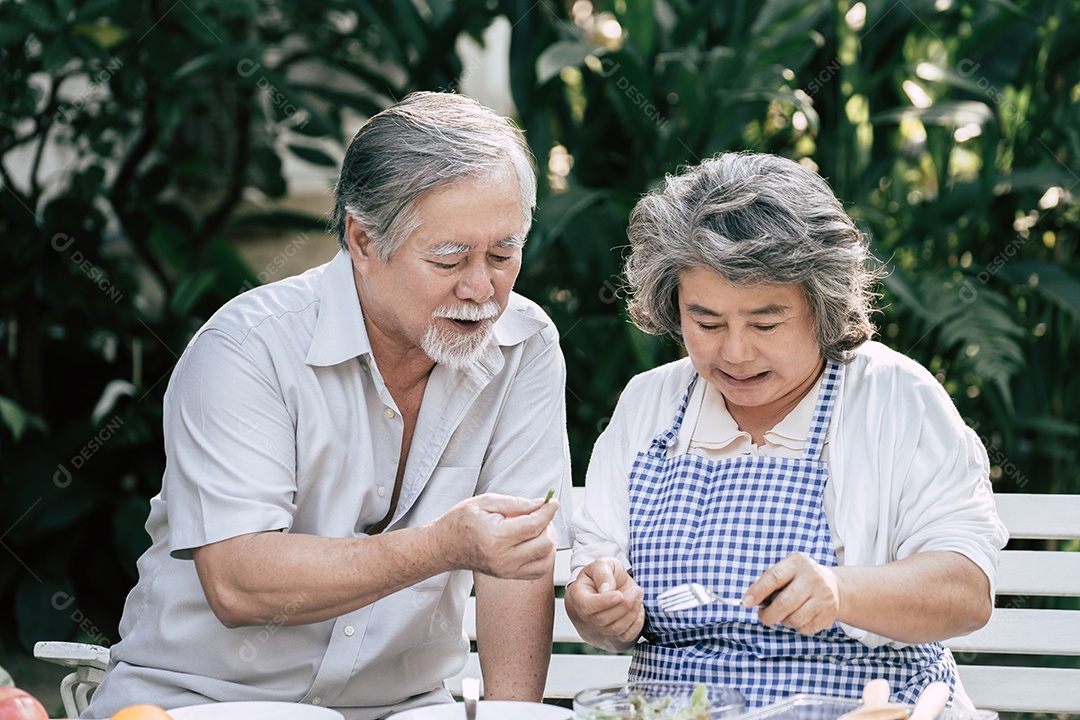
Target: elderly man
350, 450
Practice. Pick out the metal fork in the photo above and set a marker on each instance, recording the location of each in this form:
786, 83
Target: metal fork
691, 595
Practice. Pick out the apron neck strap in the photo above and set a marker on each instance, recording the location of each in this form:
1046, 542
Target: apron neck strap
666, 439
819, 425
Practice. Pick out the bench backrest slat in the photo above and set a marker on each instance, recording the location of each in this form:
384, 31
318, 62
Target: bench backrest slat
1032, 516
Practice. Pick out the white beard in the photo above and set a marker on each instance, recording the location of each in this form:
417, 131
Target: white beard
459, 350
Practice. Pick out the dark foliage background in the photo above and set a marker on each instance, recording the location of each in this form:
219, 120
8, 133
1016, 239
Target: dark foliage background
951, 128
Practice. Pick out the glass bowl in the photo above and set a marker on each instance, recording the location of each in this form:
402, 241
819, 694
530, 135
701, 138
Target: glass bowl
820, 707
657, 701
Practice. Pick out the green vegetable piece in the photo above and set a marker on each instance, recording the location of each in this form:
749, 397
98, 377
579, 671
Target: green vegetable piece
550, 494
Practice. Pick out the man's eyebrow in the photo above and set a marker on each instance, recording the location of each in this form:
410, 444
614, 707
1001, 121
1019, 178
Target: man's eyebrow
459, 248
449, 248
513, 241
773, 309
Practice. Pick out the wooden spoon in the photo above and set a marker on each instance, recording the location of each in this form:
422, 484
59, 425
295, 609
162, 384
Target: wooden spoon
875, 704
876, 693
931, 701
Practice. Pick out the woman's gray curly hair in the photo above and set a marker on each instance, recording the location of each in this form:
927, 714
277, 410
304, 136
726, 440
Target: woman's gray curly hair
754, 218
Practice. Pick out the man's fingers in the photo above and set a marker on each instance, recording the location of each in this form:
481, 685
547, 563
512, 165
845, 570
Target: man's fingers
531, 524
512, 506
534, 569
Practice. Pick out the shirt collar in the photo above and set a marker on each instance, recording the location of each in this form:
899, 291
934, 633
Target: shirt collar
516, 325
340, 333
716, 429
792, 431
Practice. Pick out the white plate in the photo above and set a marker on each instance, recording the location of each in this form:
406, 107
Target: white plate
488, 710
254, 710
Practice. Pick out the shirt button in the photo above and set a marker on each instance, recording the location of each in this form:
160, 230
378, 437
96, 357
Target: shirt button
382, 491
349, 631
316, 701
389, 414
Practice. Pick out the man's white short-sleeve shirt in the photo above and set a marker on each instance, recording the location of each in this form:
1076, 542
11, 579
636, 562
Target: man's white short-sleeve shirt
277, 418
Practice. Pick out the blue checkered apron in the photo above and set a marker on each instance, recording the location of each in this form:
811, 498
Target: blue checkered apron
723, 523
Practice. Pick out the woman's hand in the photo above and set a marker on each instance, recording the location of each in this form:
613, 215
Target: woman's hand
927, 597
604, 603
798, 593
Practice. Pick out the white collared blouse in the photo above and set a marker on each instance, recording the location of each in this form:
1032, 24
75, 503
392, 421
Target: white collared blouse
906, 474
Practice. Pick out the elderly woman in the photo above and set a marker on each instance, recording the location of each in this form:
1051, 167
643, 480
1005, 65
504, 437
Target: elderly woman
823, 480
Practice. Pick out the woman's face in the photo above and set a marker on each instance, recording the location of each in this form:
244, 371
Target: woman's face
756, 344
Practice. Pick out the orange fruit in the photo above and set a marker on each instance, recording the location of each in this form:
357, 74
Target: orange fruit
141, 712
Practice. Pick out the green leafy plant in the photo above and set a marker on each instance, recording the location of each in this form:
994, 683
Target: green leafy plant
136, 139
961, 163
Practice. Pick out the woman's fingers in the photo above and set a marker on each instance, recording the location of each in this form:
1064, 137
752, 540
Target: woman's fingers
805, 596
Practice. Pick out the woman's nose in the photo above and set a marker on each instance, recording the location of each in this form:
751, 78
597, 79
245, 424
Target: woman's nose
736, 348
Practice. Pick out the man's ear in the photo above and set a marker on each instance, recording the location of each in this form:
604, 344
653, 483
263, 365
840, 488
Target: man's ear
360, 245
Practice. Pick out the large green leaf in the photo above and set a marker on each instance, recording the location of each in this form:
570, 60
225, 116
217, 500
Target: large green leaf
947, 112
1034, 179
313, 155
1053, 282
14, 417
976, 322
639, 24
282, 94
243, 60
565, 53
362, 102
190, 289
555, 212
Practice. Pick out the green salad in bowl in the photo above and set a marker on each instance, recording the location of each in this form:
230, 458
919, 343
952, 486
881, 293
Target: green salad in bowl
658, 701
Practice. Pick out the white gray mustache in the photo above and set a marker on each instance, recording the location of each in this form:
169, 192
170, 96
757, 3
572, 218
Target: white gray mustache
469, 312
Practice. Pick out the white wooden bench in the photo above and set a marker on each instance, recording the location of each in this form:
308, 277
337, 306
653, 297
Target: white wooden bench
1014, 630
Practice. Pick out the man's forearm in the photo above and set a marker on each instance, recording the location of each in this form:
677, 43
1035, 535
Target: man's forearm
251, 578
514, 620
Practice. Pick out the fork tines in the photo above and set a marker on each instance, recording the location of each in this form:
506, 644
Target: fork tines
684, 597
690, 595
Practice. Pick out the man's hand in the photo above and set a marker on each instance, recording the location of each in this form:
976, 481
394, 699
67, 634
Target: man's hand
499, 535
801, 594
605, 605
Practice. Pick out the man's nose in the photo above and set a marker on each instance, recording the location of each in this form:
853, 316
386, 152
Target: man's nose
477, 284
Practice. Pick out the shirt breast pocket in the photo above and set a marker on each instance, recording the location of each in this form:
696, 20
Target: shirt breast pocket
446, 488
